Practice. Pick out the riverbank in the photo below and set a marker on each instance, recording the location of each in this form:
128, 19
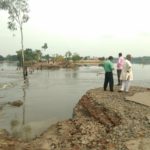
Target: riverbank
101, 121
67, 64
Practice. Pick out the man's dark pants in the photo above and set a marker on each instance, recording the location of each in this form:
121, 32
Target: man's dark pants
109, 79
118, 75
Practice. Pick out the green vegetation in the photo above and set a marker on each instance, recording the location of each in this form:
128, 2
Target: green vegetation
1, 58
141, 60
76, 57
29, 56
34, 56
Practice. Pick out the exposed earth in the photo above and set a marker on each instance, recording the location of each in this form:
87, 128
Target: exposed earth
101, 121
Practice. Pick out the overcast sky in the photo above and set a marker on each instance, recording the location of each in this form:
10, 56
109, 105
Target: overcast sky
88, 27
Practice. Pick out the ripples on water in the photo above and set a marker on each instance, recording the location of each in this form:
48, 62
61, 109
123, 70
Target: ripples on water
48, 95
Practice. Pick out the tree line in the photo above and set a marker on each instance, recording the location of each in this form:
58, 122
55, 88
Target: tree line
35, 56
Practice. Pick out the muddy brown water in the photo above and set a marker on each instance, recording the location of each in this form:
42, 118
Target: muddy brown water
49, 95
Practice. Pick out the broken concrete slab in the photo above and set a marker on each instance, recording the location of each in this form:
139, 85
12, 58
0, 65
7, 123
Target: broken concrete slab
141, 98
138, 144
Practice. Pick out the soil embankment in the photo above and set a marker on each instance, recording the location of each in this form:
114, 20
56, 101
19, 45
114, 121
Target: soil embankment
101, 121
67, 64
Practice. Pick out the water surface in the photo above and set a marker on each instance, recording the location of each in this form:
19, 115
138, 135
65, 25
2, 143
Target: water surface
49, 95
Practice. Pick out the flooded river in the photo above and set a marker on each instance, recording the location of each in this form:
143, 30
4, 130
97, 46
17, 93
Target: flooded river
49, 95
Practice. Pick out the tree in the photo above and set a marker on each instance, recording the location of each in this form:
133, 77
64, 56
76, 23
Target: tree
47, 57
11, 58
45, 46
3, 4
76, 57
38, 55
18, 15
68, 55
59, 58
1, 58
28, 54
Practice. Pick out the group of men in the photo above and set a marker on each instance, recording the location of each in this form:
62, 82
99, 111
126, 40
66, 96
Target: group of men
124, 73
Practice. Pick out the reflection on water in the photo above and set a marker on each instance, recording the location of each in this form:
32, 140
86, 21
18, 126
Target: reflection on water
14, 127
49, 95
18, 128
24, 87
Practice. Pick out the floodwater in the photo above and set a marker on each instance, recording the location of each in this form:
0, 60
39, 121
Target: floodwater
49, 95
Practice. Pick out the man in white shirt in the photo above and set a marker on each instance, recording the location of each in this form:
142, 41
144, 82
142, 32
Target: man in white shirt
126, 74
